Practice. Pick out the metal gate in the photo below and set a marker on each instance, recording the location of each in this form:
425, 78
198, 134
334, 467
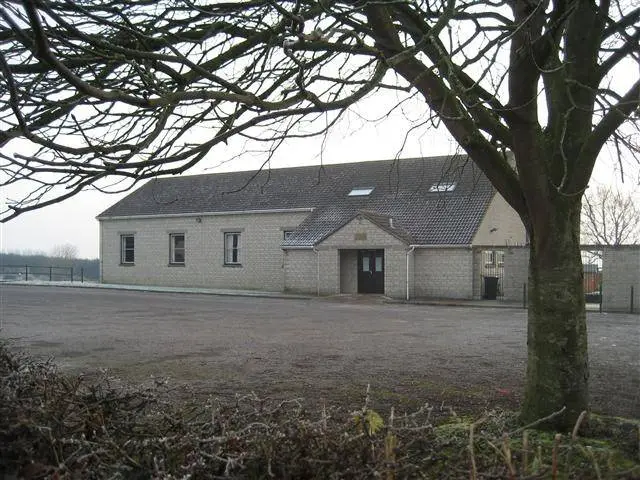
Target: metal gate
592, 278
492, 274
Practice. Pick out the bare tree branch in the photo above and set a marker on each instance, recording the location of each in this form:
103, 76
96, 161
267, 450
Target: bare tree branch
610, 217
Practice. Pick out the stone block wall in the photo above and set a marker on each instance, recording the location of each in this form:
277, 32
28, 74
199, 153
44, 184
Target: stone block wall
516, 273
444, 273
348, 271
261, 258
329, 271
301, 271
621, 272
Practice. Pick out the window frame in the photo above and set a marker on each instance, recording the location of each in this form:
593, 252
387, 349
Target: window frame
489, 258
360, 191
442, 187
228, 253
286, 234
124, 249
172, 248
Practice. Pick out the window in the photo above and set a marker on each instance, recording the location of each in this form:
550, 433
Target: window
360, 192
287, 234
176, 248
365, 263
489, 258
443, 187
493, 258
127, 250
232, 248
378, 263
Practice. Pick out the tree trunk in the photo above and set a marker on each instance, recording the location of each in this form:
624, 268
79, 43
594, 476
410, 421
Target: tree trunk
557, 368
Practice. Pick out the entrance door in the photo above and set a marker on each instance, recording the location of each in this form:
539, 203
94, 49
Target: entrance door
370, 271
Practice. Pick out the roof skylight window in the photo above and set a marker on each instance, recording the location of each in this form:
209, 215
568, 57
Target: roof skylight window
360, 192
443, 187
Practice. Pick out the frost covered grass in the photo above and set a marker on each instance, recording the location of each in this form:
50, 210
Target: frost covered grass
60, 426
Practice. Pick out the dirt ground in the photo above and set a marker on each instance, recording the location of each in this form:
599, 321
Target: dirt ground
319, 349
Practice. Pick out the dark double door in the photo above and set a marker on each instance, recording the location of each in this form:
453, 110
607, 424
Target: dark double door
370, 271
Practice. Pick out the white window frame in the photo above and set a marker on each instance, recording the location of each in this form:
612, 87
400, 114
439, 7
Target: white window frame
489, 258
173, 237
124, 249
443, 187
360, 192
230, 249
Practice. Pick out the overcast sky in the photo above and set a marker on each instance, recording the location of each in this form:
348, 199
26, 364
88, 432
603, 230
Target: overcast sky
355, 139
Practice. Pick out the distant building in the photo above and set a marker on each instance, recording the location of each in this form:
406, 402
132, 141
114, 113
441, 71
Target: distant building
592, 277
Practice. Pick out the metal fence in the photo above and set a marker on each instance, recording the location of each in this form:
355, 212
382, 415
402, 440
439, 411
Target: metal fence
492, 274
592, 278
41, 273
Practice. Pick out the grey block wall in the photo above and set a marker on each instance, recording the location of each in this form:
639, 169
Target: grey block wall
477, 273
301, 271
516, 273
621, 272
348, 271
360, 233
329, 271
395, 278
262, 259
444, 273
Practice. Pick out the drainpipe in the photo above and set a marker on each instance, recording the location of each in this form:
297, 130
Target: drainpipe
413, 247
317, 270
410, 251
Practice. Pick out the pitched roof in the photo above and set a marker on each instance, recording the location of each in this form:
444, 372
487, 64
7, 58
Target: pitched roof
401, 191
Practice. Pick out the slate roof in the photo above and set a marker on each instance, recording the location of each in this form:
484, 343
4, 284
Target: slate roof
400, 192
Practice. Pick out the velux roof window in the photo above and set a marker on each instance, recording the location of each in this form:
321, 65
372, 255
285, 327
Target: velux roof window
443, 187
360, 191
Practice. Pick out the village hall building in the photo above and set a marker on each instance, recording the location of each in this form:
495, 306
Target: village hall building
403, 228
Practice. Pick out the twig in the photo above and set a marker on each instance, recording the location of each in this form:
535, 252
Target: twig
474, 469
506, 448
525, 452
537, 422
554, 456
596, 467
574, 433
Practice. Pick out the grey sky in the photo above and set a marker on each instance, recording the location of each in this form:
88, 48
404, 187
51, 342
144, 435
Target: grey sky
354, 139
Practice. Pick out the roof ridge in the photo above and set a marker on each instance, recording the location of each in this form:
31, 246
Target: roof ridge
314, 165
400, 192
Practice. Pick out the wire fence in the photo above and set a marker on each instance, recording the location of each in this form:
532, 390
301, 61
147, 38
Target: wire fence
40, 273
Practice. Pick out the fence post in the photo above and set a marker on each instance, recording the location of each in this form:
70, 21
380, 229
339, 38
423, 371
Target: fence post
71, 274
81, 274
631, 301
524, 295
26, 272
601, 299
50, 273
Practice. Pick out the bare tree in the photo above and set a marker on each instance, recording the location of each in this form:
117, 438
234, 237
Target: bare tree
110, 93
65, 251
610, 217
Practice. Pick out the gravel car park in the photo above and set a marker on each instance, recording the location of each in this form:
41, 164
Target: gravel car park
319, 349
